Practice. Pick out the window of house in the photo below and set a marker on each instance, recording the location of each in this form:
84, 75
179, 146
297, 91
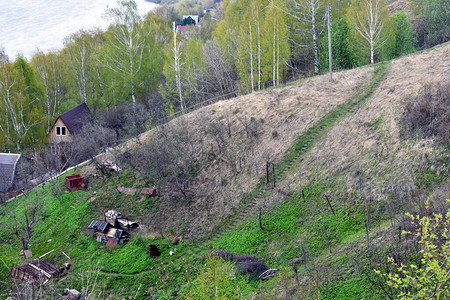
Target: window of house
60, 130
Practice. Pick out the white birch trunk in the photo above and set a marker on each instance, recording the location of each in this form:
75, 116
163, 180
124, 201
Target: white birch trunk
251, 55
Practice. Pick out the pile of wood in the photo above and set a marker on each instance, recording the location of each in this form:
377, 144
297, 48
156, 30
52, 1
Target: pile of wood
132, 191
38, 271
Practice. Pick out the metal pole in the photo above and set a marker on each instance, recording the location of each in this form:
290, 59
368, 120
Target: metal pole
329, 43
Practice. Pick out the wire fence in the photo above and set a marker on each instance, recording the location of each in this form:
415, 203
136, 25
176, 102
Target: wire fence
235, 93
162, 121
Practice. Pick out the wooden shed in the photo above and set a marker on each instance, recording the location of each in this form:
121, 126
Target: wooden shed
8, 163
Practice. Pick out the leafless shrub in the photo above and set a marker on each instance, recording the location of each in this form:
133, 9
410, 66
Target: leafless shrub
168, 157
225, 255
246, 264
429, 112
127, 121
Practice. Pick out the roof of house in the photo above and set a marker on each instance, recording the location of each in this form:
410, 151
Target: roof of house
75, 117
98, 226
8, 163
193, 17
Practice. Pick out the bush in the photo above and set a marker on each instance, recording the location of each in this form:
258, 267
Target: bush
429, 112
246, 264
429, 279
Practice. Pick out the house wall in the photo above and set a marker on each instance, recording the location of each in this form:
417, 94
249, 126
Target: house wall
55, 139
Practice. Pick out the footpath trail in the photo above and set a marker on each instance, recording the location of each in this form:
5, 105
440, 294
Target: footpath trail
248, 207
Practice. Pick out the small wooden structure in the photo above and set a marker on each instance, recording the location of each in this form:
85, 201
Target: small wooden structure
75, 183
115, 219
103, 232
38, 271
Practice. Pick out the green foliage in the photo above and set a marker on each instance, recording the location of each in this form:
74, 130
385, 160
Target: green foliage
354, 288
436, 18
431, 278
367, 19
216, 281
20, 125
342, 57
403, 40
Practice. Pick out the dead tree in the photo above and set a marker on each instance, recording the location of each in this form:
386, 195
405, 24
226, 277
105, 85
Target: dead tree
24, 230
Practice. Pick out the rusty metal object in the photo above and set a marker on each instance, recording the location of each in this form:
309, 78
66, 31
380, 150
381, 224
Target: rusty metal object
112, 243
153, 250
75, 183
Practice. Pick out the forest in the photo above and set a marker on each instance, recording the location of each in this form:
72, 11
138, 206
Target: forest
142, 70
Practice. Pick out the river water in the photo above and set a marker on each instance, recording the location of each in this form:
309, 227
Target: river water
26, 25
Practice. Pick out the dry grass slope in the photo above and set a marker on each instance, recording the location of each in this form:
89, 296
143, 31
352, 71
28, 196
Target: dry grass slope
364, 149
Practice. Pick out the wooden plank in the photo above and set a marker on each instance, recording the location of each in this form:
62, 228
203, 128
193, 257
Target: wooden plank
40, 270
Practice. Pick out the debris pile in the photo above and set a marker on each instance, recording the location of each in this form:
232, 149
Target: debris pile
115, 219
110, 167
38, 271
131, 191
111, 230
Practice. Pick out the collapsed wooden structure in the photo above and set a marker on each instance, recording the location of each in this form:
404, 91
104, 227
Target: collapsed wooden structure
38, 271
112, 228
103, 231
115, 219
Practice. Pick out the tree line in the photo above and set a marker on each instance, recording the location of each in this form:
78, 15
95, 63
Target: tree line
147, 67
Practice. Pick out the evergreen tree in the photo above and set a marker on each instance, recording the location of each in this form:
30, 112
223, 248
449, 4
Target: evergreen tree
342, 56
403, 40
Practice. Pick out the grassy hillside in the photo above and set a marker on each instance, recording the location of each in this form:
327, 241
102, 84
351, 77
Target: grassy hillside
345, 167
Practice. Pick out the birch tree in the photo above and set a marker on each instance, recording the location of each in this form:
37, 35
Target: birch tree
127, 42
276, 43
249, 47
176, 51
368, 17
49, 72
80, 48
310, 16
20, 115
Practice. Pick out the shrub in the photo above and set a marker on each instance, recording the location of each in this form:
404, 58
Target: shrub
246, 264
430, 279
429, 112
